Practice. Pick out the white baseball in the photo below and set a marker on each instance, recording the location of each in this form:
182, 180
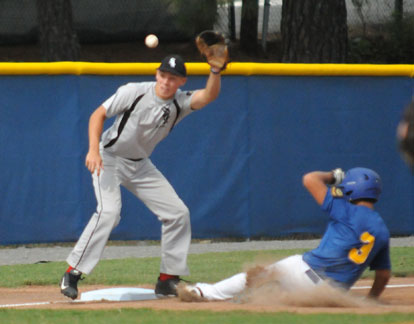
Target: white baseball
151, 41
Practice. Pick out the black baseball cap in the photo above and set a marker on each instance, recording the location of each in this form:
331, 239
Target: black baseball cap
173, 64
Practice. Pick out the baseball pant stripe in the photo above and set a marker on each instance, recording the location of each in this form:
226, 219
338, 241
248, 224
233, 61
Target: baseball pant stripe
96, 225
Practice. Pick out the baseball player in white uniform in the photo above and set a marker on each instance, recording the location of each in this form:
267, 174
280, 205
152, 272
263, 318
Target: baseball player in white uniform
145, 113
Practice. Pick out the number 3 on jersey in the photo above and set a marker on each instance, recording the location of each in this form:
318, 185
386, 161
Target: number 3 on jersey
360, 255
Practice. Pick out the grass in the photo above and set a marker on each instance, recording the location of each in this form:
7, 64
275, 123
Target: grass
141, 316
207, 267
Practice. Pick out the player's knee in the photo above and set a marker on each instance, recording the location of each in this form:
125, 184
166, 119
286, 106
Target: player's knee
109, 207
116, 221
178, 216
111, 213
182, 215
185, 212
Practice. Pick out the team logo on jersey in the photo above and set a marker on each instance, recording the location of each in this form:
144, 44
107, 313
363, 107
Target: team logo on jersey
188, 93
165, 115
336, 192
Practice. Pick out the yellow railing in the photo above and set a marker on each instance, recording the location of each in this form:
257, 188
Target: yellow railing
234, 68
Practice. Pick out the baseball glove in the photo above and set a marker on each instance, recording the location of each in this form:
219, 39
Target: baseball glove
405, 135
213, 47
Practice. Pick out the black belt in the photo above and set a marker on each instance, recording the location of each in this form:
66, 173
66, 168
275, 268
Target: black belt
135, 160
313, 276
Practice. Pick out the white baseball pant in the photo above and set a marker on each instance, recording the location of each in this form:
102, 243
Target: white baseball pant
292, 273
147, 183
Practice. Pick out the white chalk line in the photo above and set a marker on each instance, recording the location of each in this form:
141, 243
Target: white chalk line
77, 301
388, 286
41, 303
26, 304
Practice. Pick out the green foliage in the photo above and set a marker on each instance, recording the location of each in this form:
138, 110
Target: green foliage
195, 16
395, 44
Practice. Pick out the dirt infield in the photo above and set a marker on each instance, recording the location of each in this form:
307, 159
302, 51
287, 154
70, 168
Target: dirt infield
394, 299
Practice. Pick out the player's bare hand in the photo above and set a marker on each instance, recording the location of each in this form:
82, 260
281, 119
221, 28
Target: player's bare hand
94, 162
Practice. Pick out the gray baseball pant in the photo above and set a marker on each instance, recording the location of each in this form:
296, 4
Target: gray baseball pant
147, 183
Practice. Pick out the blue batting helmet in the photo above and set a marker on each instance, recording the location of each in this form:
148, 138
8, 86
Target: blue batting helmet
361, 183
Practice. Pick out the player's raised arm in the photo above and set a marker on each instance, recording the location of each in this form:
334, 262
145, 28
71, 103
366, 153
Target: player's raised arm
93, 158
204, 96
317, 182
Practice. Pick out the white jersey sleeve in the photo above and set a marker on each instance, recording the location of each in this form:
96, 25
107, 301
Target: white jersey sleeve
124, 98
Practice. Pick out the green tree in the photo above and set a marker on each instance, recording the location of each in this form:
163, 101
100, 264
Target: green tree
314, 31
248, 26
57, 36
195, 16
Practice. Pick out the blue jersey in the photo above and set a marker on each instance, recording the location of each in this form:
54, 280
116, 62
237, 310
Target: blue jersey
356, 237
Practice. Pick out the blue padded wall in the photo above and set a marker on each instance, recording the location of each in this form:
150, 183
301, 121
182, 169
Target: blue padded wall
237, 163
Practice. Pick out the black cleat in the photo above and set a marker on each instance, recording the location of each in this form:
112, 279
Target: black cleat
166, 288
69, 283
